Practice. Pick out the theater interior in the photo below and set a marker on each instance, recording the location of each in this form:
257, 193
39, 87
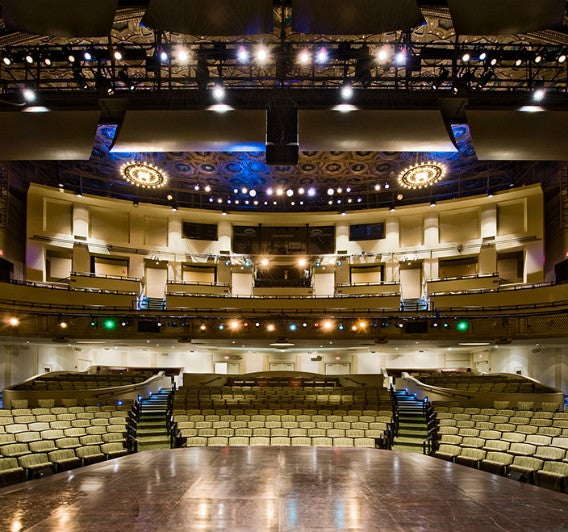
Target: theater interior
283, 265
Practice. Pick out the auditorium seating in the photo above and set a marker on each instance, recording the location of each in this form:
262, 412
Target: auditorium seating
469, 382
523, 443
38, 441
83, 381
324, 415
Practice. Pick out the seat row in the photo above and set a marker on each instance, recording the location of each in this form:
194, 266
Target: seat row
377, 432
367, 416
33, 464
498, 407
533, 458
303, 441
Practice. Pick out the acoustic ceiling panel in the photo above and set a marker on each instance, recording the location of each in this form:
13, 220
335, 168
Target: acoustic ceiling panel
505, 17
519, 136
57, 135
60, 18
203, 17
354, 17
201, 130
407, 130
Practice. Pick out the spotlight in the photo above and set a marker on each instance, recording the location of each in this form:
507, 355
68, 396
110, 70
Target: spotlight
466, 57
164, 57
482, 56
383, 54
13, 322
29, 94
537, 58
118, 55
242, 54
7, 60
182, 55
29, 58
346, 91
87, 56
80, 78
440, 79
400, 58
562, 57
311, 192
538, 91
322, 56
63, 324
304, 57
218, 91
261, 54
126, 79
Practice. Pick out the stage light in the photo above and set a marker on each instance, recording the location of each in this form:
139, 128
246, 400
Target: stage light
330, 192
242, 54
440, 79
126, 79
322, 56
304, 57
13, 322
234, 325
164, 57
261, 54
93, 322
400, 57
383, 54
311, 192
482, 56
292, 327
7, 60
562, 57
218, 91
118, 55
462, 325
346, 91
302, 263
87, 56
466, 57
29, 58
537, 58
63, 324
538, 91
270, 327
181, 55
264, 262
109, 324
80, 78
327, 325
29, 94
289, 193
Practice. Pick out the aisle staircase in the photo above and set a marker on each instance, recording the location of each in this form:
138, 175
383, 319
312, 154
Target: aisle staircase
412, 425
152, 428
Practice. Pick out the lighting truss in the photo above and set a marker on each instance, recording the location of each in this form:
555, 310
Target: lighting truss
241, 65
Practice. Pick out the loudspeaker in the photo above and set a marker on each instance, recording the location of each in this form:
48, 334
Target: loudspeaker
281, 135
281, 154
561, 272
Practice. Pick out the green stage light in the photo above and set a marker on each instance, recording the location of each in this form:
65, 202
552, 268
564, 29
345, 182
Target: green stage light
462, 325
109, 324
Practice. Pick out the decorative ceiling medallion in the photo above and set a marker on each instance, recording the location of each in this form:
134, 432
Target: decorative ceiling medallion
421, 175
143, 175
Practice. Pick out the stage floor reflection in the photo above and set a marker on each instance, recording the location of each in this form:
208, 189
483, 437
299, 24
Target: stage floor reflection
278, 488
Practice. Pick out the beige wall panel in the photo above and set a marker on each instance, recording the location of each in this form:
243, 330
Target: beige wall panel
458, 226
155, 231
58, 217
110, 225
511, 218
411, 232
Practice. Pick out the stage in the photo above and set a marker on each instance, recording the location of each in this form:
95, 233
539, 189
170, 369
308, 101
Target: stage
278, 488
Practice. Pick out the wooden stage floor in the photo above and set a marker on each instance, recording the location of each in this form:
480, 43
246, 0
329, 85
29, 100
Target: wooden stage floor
278, 488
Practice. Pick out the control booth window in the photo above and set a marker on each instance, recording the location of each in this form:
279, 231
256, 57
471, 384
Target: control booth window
367, 231
197, 231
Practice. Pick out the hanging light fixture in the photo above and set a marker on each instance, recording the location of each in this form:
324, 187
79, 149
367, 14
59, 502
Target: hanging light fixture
421, 175
143, 175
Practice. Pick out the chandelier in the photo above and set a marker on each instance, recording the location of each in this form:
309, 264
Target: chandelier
143, 175
421, 175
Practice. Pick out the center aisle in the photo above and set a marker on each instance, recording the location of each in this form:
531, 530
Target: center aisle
277, 488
